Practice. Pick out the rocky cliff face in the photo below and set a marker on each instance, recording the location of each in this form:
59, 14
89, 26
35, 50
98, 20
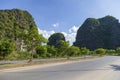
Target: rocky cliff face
97, 33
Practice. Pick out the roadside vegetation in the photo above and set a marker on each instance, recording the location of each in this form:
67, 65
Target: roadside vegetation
20, 40
60, 49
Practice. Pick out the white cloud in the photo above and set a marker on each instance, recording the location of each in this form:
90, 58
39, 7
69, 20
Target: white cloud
73, 29
46, 33
69, 36
55, 25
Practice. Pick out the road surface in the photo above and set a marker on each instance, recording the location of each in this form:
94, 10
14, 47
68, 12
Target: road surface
106, 68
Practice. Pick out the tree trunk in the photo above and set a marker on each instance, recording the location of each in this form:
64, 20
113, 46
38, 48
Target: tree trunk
31, 58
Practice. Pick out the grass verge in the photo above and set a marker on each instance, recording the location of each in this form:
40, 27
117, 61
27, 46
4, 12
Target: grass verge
7, 66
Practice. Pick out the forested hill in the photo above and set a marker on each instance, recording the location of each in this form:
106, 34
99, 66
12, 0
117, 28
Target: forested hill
14, 22
99, 33
18, 26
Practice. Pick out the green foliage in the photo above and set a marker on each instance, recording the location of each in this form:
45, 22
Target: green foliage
72, 51
55, 39
110, 52
96, 33
91, 22
100, 51
107, 20
62, 46
19, 38
19, 27
85, 51
52, 51
13, 56
6, 48
41, 51
33, 39
23, 55
118, 49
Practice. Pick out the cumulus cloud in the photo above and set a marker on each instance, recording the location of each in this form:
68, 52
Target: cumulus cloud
73, 29
55, 25
46, 33
70, 36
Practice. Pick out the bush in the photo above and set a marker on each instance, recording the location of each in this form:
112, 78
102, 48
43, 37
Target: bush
100, 51
36, 56
63, 46
24, 55
41, 51
111, 52
85, 51
72, 51
12, 56
6, 47
118, 50
51, 50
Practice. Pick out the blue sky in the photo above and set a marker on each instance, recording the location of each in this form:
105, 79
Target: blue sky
64, 15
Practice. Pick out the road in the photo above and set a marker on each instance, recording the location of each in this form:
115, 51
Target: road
106, 68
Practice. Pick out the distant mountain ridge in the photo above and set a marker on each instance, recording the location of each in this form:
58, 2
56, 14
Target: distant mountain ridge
99, 33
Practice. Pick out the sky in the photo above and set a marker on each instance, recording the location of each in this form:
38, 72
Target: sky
64, 16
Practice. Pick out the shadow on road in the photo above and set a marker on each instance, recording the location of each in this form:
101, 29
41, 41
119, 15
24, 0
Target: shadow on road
116, 67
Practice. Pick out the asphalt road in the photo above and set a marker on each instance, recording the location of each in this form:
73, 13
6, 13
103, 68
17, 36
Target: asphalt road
106, 68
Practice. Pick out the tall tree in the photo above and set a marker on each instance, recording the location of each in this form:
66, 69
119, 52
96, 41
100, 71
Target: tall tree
62, 47
32, 40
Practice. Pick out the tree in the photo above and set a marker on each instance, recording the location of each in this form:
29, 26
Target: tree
100, 51
32, 40
41, 50
118, 49
6, 48
72, 51
52, 50
62, 47
110, 52
55, 39
85, 51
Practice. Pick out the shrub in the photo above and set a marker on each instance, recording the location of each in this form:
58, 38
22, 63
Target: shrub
72, 51
24, 55
12, 56
41, 51
85, 51
100, 51
52, 51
